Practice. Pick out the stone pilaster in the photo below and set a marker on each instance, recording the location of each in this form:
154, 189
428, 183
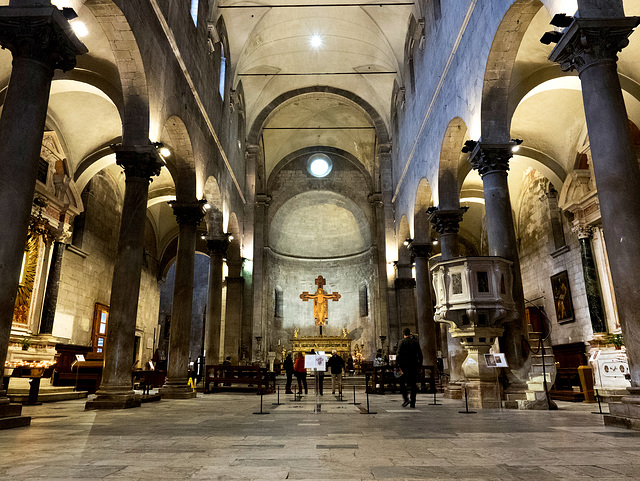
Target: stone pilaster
492, 163
446, 222
188, 215
233, 312
217, 252
590, 45
40, 40
384, 322
259, 260
424, 303
140, 163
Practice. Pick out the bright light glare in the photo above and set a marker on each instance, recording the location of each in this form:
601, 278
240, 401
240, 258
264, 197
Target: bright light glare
319, 167
515, 148
79, 28
165, 152
316, 41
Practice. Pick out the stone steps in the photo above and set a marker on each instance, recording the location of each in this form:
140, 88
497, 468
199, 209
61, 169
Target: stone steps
18, 392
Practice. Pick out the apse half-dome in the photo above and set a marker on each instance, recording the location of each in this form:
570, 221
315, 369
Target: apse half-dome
319, 224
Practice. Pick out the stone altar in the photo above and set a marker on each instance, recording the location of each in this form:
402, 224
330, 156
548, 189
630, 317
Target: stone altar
322, 343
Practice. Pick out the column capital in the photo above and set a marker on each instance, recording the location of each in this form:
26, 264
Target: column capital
40, 33
583, 231
486, 158
591, 40
138, 161
218, 246
188, 213
446, 221
375, 198
420, 249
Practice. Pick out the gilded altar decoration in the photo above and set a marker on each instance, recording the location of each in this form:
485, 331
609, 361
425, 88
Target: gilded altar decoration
320, 301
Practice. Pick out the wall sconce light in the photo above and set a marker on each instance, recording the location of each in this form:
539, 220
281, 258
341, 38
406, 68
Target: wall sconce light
516, 144
407, 242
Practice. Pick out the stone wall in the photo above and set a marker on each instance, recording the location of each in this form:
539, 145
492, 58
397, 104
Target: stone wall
540, 260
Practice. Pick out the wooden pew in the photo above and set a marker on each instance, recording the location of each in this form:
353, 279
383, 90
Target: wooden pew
251, 376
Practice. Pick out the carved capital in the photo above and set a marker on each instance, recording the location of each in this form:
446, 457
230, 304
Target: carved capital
263, 200
218, 246
447, 221
583, 231
142, 162
487, 158
421, 250
188, 213
375, 198
40, 33
590, 40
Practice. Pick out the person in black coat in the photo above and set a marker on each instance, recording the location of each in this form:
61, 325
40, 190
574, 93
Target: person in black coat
336, 365
288, 368
409, 358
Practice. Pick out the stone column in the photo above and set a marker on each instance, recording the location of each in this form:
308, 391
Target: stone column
140, 163
492, 163
424, 303
217, 251
188, 216
405, 286
590, 46
446, 222
233, 312
380, 287
40, 40
591, 281
51, 293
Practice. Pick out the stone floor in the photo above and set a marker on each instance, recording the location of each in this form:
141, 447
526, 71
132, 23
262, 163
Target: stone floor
218, 436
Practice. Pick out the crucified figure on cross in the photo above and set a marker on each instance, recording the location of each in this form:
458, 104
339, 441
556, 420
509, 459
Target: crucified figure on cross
320, 298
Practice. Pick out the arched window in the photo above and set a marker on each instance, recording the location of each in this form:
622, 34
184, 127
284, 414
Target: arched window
194, 11
223, 69
277, 301
364, 301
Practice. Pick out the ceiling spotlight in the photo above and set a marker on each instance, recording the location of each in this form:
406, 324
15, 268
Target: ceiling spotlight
561, 20
316, 41
516, 144
551, 37
231, 237
207, 206
79, 28
203, 237
407, 241
435, 242
469, 145
165, 152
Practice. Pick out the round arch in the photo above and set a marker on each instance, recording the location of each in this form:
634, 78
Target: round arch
421, 225
181, 162
451, 168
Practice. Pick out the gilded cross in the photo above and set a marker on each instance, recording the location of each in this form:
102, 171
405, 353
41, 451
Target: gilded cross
320, 299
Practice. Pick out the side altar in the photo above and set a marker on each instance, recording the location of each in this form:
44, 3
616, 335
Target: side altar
322, 343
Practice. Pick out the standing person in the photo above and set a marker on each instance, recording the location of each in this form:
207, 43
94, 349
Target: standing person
409, 359
288, 368
301, 373
336, 364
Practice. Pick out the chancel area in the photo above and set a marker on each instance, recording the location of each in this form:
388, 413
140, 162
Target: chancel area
192, 191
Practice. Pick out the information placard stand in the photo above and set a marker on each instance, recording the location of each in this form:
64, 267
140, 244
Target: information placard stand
496, 361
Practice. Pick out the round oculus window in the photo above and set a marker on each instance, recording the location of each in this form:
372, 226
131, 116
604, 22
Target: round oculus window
319, 165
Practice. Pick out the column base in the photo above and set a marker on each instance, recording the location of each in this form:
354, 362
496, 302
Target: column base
483, 394
113, 400
176, 390
453, 390
625, 414
11, 416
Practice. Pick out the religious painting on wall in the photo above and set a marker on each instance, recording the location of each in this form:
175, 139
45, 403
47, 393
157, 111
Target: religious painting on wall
562, 297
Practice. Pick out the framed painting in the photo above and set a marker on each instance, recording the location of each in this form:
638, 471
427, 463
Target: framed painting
562, 297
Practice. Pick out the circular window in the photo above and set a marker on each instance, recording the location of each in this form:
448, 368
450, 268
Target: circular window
319, 165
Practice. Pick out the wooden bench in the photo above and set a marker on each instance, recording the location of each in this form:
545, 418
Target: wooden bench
384, 378
251, 376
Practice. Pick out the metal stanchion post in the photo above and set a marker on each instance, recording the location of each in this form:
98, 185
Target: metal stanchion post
435, 400
278, 403
261, 411
466, 404
599, 405
367, 393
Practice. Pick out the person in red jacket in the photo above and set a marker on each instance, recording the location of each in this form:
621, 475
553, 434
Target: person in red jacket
301, 373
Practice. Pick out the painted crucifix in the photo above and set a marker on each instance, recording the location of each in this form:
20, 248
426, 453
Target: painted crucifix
320, 301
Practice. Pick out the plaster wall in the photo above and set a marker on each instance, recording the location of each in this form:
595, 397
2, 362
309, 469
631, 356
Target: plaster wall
294, 276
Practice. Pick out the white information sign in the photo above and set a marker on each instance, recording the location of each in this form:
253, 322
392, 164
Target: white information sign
496, 360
